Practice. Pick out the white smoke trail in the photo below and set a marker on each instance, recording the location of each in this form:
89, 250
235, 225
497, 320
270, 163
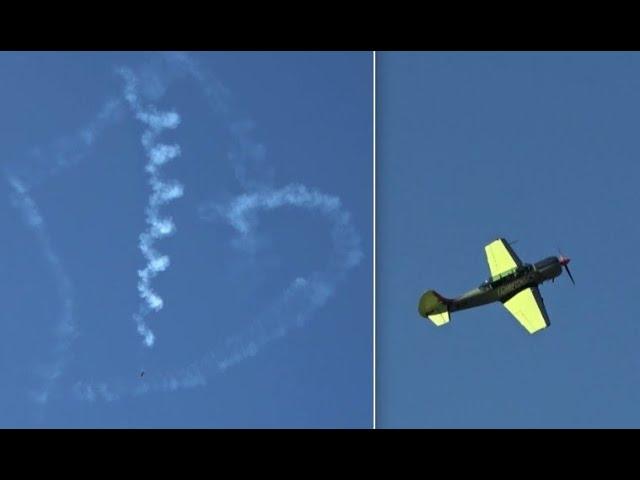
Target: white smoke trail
162, 193
298, 302
65, 330
40, 165
247, 156
90, 392
67, 151
295, 306
305, 294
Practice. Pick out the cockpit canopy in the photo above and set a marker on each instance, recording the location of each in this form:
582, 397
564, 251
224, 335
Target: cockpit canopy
546, 263
489, 283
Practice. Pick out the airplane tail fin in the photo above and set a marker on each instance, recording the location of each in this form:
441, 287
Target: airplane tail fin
434, 307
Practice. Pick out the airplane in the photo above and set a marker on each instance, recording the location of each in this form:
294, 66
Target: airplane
142, 374
512, 282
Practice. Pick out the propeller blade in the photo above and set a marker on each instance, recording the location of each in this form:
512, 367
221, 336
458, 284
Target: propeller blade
570, 276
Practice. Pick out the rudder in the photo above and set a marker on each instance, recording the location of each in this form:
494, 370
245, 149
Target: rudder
434, 306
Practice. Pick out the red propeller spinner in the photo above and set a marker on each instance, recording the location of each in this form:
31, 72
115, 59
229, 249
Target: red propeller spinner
564, 261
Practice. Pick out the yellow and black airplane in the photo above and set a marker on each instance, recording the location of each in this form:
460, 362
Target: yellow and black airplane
512, 282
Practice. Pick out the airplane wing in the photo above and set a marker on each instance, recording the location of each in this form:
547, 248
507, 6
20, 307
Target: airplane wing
501, 257
528, 308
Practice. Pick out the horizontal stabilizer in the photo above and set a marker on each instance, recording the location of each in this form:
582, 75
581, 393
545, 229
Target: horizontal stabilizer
435, 307
439, 318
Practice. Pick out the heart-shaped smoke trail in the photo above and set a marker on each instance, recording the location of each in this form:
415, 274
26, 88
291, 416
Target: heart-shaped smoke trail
296, 304
304, 295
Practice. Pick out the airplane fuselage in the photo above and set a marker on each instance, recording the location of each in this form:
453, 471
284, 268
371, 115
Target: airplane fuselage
505, 287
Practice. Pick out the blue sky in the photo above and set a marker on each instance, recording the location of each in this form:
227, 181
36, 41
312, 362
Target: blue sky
266, 294
541, 148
